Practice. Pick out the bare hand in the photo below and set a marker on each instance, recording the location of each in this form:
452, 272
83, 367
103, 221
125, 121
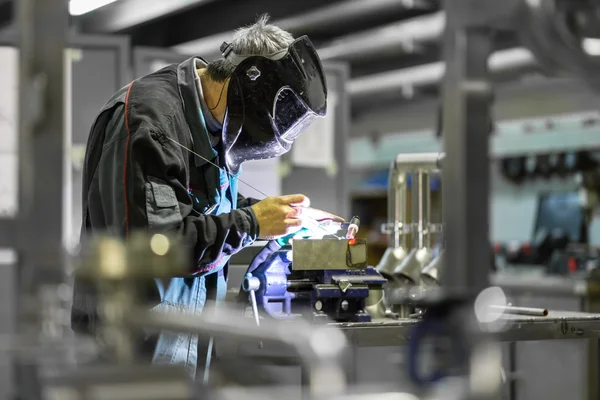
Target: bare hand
279, 216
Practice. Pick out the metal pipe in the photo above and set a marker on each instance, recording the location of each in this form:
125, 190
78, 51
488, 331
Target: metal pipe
319, 348
320, 19
397, 210
432, 74
422, 208
536, 312
400, 36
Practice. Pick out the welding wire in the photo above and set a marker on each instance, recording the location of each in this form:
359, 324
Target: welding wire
212, 163
535, 312
224, 170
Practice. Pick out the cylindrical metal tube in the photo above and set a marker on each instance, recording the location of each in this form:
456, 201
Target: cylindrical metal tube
421, 191
536, 312
397, 212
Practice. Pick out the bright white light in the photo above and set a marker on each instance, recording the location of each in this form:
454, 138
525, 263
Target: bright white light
591, 46
79, 7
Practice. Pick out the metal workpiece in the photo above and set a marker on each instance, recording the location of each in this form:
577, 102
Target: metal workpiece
536, 312
375, 304
392, 258
421, 209
418, 166
410, 268
328, 254
430, 275
411, 162
397, 209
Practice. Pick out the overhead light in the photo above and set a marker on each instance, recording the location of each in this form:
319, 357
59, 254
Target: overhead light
79, 7
591, 46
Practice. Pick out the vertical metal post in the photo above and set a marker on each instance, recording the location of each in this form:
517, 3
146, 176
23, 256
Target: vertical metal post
421, 208
467, 95
43, 27
397, 210
466, 115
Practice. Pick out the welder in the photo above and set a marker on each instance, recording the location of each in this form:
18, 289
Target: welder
164, 155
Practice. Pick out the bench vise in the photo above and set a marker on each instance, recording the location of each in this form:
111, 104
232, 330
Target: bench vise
323, 279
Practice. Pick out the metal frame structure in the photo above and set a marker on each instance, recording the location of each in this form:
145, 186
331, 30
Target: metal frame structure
43, 26
37, 234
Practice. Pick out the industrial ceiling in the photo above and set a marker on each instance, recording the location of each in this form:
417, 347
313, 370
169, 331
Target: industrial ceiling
392, 46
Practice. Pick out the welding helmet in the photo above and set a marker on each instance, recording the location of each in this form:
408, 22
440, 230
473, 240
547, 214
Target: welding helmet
271, 100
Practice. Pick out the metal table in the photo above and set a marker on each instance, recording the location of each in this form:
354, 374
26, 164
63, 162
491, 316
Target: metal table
558, 325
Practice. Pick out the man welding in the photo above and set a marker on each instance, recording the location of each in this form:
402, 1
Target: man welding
164, 155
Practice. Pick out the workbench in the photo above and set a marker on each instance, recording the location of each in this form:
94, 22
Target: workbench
558, 325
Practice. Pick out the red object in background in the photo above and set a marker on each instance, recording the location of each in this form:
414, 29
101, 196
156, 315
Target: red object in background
351, 242
498, 248
526, 249
572, 264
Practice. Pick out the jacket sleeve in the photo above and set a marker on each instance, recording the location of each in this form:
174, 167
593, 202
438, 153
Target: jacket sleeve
157, 199
245, 201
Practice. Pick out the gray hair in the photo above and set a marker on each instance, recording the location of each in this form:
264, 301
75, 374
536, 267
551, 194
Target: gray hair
257, 39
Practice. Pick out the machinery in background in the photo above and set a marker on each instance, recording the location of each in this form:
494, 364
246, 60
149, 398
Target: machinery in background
560, 241
324, 279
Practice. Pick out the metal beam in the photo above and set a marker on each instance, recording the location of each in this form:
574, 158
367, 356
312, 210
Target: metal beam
7, 233
400, 37
432, 74
318, 20
126, 14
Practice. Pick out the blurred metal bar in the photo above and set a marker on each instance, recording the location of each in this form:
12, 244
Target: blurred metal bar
399, 37
320, 19
467, 100
432, 74
7, 232
43, 26
125, 14
320, 349
43, 38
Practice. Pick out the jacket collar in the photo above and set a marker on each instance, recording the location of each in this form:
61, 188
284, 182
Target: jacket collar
187, 79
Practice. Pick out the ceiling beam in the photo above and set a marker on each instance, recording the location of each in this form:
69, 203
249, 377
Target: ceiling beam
322, 19
125, 14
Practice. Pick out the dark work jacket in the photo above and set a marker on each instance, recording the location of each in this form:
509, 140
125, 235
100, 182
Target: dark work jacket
136, 178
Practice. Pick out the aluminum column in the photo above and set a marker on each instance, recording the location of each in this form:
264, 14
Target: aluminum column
467, 97
43, 27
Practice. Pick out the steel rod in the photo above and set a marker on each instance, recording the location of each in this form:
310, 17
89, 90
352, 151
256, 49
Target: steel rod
536, 312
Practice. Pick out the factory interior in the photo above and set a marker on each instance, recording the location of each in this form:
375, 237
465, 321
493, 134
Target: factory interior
459, 141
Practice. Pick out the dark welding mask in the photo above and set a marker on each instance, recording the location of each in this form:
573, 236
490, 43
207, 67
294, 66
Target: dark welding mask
271, 100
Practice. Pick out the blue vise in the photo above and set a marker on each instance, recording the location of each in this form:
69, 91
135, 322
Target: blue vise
323, 279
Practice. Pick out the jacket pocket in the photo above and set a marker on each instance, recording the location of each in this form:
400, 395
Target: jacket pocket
162, 207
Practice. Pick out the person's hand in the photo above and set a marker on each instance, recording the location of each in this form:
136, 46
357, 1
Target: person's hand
279, 216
